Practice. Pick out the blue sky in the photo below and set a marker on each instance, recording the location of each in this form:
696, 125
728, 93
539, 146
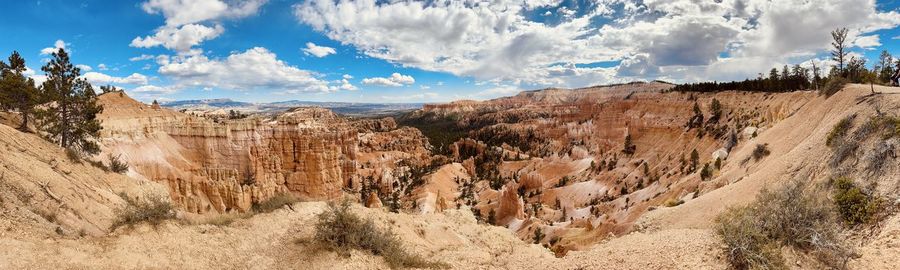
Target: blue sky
432, 51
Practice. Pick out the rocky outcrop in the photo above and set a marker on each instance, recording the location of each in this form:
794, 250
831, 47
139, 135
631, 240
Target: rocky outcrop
219, 167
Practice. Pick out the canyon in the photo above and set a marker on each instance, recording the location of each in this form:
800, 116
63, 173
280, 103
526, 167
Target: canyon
551, 179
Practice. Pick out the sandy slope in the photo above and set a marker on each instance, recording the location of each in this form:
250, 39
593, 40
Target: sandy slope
280, 240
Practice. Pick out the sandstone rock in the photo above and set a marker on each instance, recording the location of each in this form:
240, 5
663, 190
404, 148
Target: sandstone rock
720, 154
373, 201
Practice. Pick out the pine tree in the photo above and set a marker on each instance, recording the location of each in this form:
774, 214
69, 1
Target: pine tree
885, 66
839, 52
17, 91
71, 118
695, 160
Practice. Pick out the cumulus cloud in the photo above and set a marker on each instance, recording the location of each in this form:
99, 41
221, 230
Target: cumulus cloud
675, 39
318, 51
188, 21
256, 68
100, 78
181, 12
102, 66
180, 39
59, 44
395, 80
867, 42
84, 68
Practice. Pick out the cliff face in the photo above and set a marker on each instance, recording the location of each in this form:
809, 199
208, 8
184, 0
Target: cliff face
308, 152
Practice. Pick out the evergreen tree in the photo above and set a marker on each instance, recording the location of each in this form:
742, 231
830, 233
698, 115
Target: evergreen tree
839, 52
108, 89
17, 91
70, 119
695, 160
885, 66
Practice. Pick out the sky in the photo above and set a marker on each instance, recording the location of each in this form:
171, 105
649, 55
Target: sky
429, 51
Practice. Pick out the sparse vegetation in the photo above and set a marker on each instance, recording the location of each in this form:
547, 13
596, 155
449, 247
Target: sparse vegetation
153, 209
629, 147
341, 230
276, 202
117, 165
839, 130
706, 172
761, 151
833, 85
796, 215
855, 205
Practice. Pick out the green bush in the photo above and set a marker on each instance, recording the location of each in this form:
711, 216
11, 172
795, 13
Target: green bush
855, 206
795, 215
833, 85
340, 230
153, 209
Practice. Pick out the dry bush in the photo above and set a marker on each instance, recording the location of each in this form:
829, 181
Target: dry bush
833, 85
117, 165
73, 155
795, 215
840, 130
761, 151
341, 230
274, 203
153, 209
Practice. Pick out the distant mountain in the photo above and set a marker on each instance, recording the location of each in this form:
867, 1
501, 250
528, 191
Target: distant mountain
345, 108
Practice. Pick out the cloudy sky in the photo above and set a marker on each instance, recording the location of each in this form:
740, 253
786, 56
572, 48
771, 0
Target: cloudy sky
429, 51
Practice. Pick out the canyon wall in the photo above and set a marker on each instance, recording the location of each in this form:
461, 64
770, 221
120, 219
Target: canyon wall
228, 166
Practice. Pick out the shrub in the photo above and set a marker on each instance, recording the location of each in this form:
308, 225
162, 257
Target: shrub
674, 202
833, 85
839, 130
153, 209
73, 155
761, 151
706, 172
276, 202
748, 246
340, 230
855, 206
794, 215
117, 165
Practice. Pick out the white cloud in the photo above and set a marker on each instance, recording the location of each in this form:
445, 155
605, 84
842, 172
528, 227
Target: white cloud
102, 66
38, 79
141, 58
100, 78
256, 68
395, 80
347, 76
84, 68
59, 44
181, 12
495, 41
318, 51
181, 39
867, 42
153, 90
187, 22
